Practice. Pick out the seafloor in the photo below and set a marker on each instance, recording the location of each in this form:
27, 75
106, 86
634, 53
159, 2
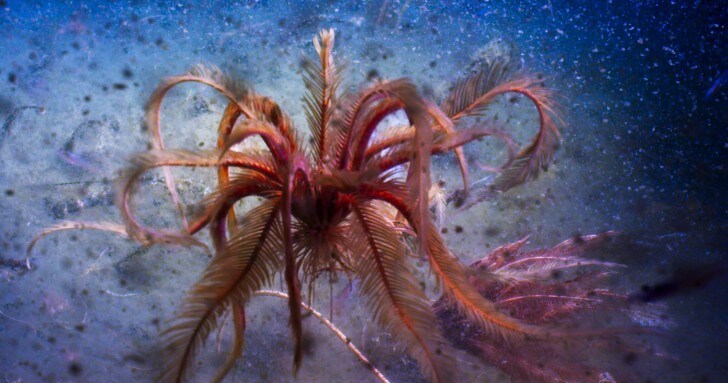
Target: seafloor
643, 152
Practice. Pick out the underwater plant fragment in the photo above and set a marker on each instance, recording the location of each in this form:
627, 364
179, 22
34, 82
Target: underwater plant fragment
560, 290
327, 207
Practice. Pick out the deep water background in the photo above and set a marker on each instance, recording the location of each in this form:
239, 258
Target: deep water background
644, 153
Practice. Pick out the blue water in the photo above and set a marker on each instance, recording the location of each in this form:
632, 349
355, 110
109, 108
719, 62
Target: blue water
643, 152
